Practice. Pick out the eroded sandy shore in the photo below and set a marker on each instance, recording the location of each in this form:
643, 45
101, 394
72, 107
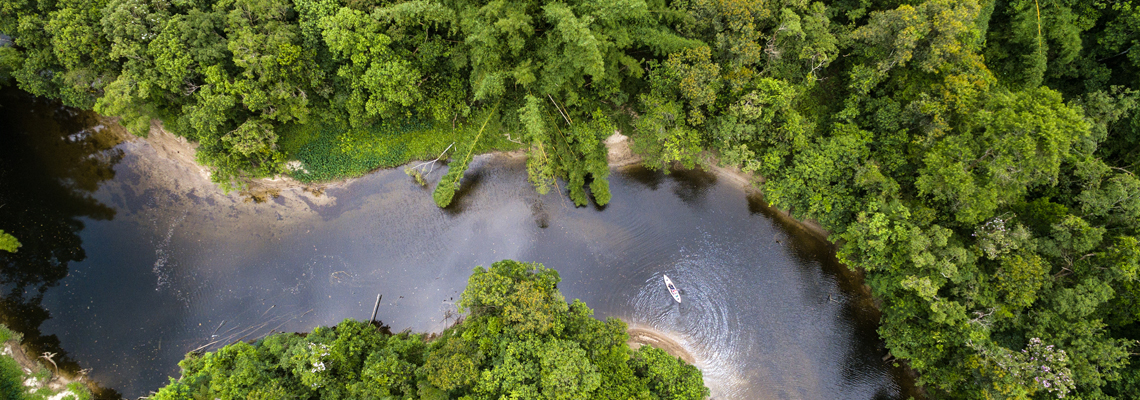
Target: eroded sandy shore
181, 170
639, 336
57, 381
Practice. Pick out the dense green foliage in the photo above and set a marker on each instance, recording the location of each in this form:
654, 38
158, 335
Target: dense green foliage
976, 158
995, 211
520, 340
11, 374
11, 379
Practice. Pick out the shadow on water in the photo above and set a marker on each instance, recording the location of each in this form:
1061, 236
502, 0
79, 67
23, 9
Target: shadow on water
52, 159
538, 209
644, 176
858, 304
468, 185
690, 185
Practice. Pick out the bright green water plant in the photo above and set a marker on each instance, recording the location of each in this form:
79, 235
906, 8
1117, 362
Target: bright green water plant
8, 242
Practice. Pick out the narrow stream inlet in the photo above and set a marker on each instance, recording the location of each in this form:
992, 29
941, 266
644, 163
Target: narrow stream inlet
142, 260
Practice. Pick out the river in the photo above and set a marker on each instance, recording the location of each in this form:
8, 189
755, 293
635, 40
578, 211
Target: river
131, 260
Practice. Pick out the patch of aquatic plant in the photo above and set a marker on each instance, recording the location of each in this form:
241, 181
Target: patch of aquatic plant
329, 150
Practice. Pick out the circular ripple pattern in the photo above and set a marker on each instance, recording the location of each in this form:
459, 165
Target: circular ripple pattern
705, 322
320, 271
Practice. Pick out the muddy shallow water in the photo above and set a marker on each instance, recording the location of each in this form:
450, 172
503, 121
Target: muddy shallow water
168, 264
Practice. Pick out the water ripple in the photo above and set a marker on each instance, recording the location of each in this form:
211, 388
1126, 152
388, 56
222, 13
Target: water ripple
706, 323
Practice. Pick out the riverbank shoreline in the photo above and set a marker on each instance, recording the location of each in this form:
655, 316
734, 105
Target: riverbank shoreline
618, 147
748, 180
640, 336
61, 386
619, 155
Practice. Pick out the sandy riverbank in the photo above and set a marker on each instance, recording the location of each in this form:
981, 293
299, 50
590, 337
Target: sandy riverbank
639, 336
181, 154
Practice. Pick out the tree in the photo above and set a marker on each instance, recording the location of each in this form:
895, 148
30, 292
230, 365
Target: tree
64, 51
539, 163
668, 376
566, 371
445, 190
1015, 143
523, 295
935, 35
10, 61
382, 84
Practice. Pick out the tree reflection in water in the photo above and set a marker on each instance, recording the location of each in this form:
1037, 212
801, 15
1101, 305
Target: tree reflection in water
52, 159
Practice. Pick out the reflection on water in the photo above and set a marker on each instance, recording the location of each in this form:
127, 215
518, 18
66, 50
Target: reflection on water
51, 160
767, 312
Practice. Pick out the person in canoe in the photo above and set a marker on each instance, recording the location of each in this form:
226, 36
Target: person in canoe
672, 289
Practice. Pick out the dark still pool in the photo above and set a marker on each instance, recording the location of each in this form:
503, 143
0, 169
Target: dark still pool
131, 260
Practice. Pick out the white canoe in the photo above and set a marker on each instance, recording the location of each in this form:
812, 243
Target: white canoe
672, 289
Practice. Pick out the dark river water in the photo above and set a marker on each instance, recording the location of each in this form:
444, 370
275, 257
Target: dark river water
130, 261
